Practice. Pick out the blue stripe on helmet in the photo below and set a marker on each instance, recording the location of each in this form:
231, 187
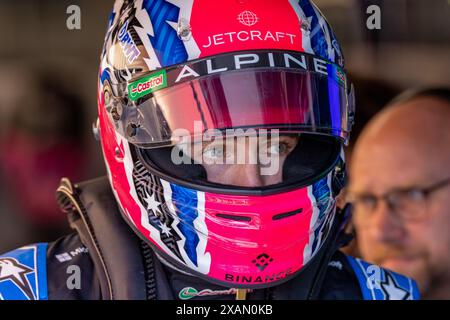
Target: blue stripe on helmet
168, 47
185, 201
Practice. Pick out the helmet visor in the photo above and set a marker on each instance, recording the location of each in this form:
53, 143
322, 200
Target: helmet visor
290, 92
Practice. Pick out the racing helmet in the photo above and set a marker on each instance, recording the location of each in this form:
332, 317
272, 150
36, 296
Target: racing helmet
175, 72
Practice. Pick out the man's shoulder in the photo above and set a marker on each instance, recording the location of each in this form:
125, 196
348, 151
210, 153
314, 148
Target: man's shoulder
352, 278
61, 269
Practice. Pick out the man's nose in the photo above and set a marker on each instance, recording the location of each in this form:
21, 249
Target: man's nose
385, 224
248, 175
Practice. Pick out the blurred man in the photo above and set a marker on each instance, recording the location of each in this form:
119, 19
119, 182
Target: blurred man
400, 187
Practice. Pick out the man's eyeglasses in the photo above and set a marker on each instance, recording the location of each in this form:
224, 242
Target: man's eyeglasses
407, 203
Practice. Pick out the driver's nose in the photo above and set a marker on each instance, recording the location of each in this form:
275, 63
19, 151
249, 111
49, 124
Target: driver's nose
246, 175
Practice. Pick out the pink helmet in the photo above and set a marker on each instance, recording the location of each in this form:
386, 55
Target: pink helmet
178, 69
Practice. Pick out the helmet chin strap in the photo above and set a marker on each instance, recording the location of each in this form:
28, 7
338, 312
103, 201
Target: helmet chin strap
171, 266
336, 239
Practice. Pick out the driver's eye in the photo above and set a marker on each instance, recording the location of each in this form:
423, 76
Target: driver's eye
278, 148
